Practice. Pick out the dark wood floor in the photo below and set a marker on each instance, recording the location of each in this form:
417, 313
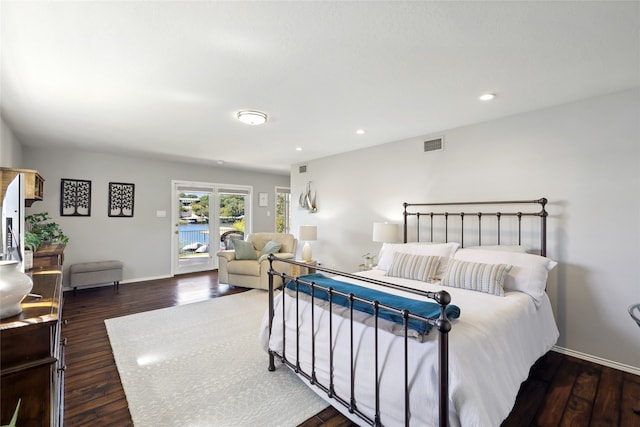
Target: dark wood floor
561, 390
93, 392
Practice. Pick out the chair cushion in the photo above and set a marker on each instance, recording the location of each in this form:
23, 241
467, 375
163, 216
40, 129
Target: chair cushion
272, 247
259, 240
244, 267
244, 250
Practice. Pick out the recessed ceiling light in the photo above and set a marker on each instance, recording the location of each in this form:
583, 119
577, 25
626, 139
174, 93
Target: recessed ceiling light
298, 148
220, 162
252, 118
360, 132
486, 97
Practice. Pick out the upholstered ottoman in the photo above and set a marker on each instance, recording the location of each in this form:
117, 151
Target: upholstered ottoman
94, 273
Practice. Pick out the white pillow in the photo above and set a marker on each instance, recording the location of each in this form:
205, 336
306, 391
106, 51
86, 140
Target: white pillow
528, 274
443, 250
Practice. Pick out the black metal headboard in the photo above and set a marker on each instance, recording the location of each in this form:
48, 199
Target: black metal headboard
438, 218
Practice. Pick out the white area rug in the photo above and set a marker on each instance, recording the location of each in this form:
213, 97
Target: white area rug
201, 365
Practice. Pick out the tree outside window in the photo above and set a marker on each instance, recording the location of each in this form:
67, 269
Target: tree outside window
283, 209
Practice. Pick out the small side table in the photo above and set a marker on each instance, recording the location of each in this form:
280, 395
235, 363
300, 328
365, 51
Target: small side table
297, 270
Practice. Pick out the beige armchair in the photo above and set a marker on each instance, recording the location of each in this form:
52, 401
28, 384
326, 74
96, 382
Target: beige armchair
252, 273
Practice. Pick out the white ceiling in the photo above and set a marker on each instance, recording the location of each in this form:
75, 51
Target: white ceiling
165, 79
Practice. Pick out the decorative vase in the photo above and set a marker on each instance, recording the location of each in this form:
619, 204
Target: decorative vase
14, 286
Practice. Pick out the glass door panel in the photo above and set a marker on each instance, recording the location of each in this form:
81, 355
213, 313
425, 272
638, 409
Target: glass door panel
193, 230
232, 216
202, 213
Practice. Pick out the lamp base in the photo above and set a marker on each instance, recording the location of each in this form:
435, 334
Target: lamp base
306, 252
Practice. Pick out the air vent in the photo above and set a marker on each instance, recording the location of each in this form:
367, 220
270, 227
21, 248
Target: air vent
434, 144
302, 169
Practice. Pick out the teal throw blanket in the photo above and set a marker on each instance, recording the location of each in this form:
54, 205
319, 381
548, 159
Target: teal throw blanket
422, 308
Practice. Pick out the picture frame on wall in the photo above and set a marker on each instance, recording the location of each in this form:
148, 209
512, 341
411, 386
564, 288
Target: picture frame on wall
75, 197
121, 199
263, 199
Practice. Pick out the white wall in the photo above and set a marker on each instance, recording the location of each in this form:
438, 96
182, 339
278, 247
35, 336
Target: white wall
143, 242
10, 148
584, 157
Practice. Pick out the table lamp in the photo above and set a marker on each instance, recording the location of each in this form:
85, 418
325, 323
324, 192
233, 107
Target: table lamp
307, 233
385, 232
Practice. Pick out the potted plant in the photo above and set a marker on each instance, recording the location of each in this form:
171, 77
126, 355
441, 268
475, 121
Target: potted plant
31, 241
40, 232
31, 244
368, 260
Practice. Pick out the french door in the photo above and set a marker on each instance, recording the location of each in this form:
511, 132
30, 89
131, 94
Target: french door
201, 213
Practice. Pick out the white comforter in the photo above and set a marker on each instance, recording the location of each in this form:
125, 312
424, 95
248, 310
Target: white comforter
491, 349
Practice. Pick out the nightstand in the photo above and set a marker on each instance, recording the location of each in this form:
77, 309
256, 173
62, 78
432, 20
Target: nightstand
297, 270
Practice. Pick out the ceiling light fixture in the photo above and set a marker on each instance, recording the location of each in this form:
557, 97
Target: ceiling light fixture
487, 97
360, 132
253, 118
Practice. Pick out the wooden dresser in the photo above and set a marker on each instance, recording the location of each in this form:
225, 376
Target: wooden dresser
32, 355
48, 256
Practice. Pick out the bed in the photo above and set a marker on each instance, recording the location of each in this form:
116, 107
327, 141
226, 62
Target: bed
492, 319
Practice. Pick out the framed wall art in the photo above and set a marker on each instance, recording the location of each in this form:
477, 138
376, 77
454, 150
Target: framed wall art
263, 199
121, 198
75, 197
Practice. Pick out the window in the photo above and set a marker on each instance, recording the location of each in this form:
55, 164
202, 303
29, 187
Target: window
283, 209
232, 210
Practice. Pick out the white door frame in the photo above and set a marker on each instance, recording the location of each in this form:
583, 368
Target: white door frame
194, 186
214, 222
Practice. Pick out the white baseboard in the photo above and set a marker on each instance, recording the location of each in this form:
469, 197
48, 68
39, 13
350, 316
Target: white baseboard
138, 279
598, 360
144, 279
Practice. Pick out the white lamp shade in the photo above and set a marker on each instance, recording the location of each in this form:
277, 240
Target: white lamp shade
308, 232
385, 232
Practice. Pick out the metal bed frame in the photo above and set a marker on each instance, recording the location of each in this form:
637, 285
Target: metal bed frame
542, 214
442, 324
442, 298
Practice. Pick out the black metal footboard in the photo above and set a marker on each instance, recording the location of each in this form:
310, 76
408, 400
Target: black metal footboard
442, 324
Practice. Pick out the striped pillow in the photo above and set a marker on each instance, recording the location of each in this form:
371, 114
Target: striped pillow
415, 267
476, 276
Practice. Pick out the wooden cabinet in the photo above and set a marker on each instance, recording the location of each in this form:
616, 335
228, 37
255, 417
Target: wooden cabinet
48, 256
32, 356
33, 183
